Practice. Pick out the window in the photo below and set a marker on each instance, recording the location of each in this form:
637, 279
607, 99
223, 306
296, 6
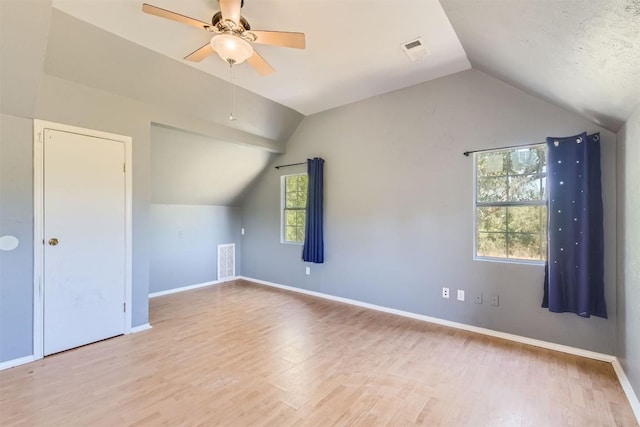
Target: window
511, 205
294, 205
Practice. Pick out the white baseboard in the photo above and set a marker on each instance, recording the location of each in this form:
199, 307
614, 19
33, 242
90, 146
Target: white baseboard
189, 288
628, 389
490, 332
139, 328
16, 362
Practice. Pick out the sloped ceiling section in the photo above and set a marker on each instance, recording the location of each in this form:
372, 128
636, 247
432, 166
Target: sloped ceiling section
24, 25
189, 169
582, 55
352, 47
83, 53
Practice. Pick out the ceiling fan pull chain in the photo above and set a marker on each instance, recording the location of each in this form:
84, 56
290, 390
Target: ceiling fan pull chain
232, 116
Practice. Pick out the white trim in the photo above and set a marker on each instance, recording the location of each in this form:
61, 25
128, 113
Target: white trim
38, 242
628, 389
140, 328
490, 332
16, 362
38, 220
190, 287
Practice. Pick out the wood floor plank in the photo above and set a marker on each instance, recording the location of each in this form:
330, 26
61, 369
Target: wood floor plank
240, 354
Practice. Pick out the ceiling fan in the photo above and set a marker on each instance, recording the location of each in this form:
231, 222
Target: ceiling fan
233, 37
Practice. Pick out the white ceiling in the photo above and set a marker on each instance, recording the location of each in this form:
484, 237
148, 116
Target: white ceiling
353, 46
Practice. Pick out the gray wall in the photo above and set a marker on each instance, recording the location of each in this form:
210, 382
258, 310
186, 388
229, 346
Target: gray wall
628, 350
16, 219
184, 243
399, 207
190, 169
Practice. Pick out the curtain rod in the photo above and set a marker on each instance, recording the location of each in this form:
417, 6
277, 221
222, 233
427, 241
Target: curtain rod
466, 153
291, 164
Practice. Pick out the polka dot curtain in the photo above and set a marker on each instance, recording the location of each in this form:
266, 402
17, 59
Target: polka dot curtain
574, 276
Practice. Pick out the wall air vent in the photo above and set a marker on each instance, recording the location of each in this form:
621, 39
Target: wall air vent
226, 261
415, 49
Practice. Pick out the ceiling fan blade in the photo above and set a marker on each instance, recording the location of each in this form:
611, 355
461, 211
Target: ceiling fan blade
260, 65
163, 13
280, 38
230, 10
199, 54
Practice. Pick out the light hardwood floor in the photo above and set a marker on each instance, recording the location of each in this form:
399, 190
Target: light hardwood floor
241, 354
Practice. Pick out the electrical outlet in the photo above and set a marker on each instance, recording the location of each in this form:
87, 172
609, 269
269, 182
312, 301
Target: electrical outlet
479, 298
307, 271
445, 292
242, 231
495, 300
180, 234
460, 295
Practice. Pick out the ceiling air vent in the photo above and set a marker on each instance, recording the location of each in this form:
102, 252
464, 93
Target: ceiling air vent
415, 49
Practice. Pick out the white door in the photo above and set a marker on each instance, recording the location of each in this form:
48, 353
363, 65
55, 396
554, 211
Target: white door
84, 239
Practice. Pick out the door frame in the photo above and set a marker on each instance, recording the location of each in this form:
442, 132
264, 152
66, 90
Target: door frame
39, 127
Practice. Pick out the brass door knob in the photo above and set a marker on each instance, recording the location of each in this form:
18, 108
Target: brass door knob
53, 242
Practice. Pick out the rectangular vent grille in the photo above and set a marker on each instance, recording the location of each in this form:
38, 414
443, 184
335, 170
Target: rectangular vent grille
415, 49
226, 261
413, 44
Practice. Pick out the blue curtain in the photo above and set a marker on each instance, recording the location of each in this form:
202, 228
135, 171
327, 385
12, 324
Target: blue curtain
574, 274
313, 250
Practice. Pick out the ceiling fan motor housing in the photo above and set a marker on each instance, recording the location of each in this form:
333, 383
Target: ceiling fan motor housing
217, 22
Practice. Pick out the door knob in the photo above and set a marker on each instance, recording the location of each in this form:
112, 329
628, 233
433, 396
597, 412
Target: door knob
53, 241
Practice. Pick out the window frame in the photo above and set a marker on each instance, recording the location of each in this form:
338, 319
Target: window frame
283, 207
507, 204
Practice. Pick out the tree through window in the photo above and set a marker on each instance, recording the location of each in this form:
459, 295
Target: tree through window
294, 205
511, 206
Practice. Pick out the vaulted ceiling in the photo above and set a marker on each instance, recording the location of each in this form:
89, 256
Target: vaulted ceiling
352, 47
582, 55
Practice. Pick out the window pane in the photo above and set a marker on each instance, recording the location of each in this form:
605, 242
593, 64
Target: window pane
303, 199
492, 164
302, 183
491, 219
300, 234
492, 245
492, 189
524, 161
300, 218
524, 246
290, 234
290, 184
290, 218
524, 219
524, 188
290, 201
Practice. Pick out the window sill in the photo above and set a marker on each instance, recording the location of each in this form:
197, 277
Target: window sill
509, 261
291, 243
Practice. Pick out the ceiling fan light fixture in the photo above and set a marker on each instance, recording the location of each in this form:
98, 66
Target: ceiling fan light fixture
231, 48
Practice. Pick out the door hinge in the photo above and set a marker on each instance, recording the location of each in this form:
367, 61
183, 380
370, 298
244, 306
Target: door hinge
124, 167
124, 307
